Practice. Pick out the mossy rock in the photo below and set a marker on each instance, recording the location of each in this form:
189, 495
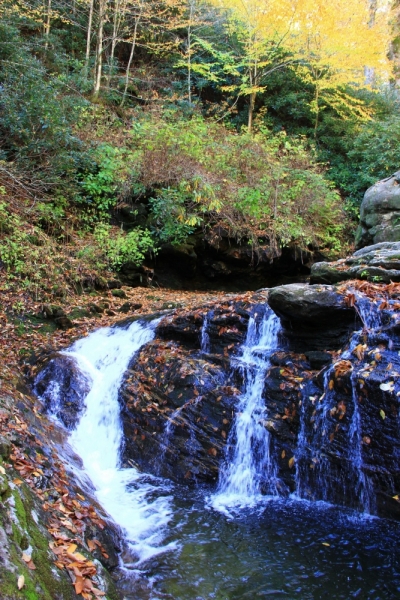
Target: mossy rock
117, 293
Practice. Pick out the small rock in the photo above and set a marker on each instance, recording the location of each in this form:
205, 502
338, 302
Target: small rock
5, 447
117, 293
3, 484
64, 322
129, 307
113, 284
318, 359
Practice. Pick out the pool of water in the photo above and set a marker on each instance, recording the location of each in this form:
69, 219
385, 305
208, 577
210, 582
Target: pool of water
285, 548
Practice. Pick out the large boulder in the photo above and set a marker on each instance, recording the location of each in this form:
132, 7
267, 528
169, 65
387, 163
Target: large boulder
379, 263
380, 213
314, 317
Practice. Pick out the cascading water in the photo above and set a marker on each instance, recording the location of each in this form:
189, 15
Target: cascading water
249, 466
140, 504
321, 472
205, 338
368, 312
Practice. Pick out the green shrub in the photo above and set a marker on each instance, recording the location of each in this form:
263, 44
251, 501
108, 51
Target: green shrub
268, 186
123, 247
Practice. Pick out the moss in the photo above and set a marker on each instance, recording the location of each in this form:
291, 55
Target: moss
40, 583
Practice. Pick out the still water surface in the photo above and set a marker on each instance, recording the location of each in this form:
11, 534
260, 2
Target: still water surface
285, 549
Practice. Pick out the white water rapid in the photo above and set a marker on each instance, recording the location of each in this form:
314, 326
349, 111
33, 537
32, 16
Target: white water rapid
139, 504
249, 466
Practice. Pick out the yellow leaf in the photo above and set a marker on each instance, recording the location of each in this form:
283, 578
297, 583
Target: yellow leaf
382, 413
291, 462
283, 454
325, 544
21, 582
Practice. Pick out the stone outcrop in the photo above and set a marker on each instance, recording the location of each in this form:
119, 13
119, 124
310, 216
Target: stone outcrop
380, 213
379, 263
314, 317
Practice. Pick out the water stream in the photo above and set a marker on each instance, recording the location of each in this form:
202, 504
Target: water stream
140, 504
205, 338
248, 466
188, 547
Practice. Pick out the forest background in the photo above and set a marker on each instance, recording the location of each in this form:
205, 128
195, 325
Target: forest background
267, 119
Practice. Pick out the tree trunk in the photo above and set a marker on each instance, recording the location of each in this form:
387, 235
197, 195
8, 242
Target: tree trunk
116, 26
128, 67
252, 103
99, 49
47, 25
88, 37
189, 53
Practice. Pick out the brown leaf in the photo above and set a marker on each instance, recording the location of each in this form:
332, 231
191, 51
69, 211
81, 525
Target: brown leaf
78, 585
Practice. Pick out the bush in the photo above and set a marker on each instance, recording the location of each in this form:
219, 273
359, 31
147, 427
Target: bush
198, 174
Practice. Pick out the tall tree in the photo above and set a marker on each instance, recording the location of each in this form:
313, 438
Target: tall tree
342, 42
332, 42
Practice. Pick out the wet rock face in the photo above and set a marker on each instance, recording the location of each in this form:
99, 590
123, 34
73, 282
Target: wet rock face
380, 212
333, 418
314, 317
351, 435
177, 412
62, 387
379, 263
226, 328
178, 401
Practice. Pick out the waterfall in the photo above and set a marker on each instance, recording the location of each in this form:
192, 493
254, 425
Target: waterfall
205, 338
249, 469
139, 504
363, 487
368, 311
323, 470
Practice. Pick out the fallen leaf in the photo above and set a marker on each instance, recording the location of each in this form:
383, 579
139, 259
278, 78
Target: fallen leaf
21, 582
78, 585
387, 387
382, 413
291, 462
